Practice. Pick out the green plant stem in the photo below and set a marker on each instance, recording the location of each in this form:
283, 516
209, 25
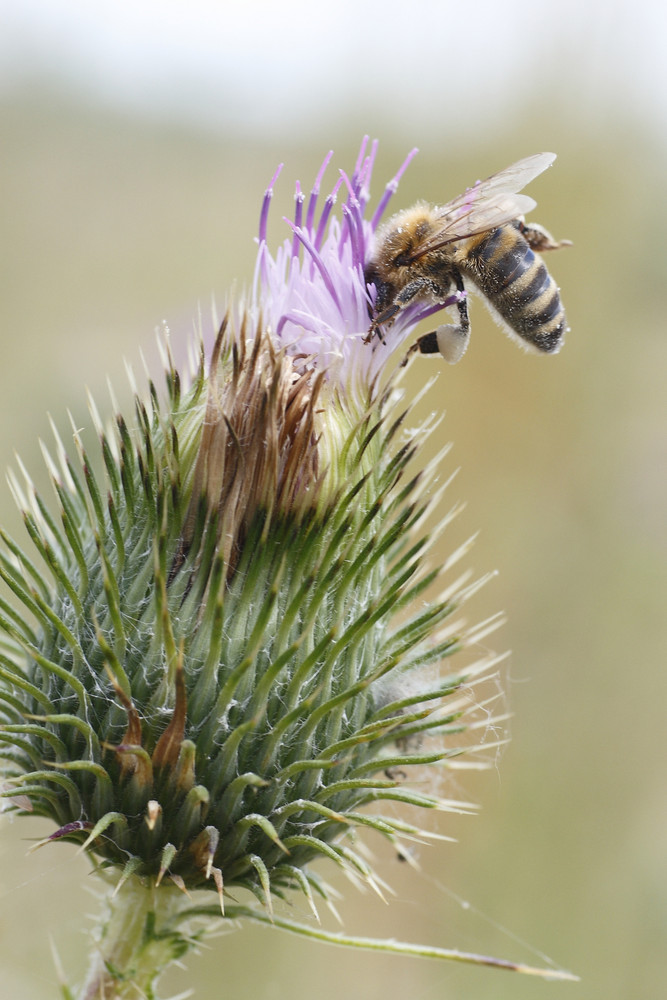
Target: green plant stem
132, 948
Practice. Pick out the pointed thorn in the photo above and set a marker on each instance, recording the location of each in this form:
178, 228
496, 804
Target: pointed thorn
168, 854
217, 878
60, 972
64, 831
153, 810
180, 884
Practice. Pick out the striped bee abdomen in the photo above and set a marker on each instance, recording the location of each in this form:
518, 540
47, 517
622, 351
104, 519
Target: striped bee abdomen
517, 286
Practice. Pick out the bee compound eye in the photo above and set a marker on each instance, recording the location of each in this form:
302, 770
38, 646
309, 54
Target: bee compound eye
452, 342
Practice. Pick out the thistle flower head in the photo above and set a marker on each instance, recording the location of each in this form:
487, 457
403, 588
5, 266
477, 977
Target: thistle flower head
223, 651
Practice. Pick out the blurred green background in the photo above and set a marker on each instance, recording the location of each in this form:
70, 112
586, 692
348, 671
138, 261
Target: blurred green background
118, 214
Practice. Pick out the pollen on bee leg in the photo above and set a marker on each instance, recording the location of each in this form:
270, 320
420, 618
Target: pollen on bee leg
449, 341
452, 342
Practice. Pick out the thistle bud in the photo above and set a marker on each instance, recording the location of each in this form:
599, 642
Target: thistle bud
223, 651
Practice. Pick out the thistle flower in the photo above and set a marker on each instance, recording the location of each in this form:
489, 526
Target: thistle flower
224, 652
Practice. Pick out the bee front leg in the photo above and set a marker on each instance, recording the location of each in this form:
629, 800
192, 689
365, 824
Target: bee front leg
420, 286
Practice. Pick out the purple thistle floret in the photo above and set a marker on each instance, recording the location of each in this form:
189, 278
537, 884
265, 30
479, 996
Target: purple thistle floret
312, 294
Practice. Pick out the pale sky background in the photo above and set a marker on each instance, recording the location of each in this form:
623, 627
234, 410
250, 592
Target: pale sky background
430, 65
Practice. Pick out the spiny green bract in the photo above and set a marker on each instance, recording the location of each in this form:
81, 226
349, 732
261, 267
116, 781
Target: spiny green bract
199, 707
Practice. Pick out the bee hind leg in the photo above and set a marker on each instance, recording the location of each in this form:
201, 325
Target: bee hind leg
538, 238
449, 340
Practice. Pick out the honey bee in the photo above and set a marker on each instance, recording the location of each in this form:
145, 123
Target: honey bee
424, 254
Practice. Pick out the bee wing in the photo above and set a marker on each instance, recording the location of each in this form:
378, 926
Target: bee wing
514, 178
487, 204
